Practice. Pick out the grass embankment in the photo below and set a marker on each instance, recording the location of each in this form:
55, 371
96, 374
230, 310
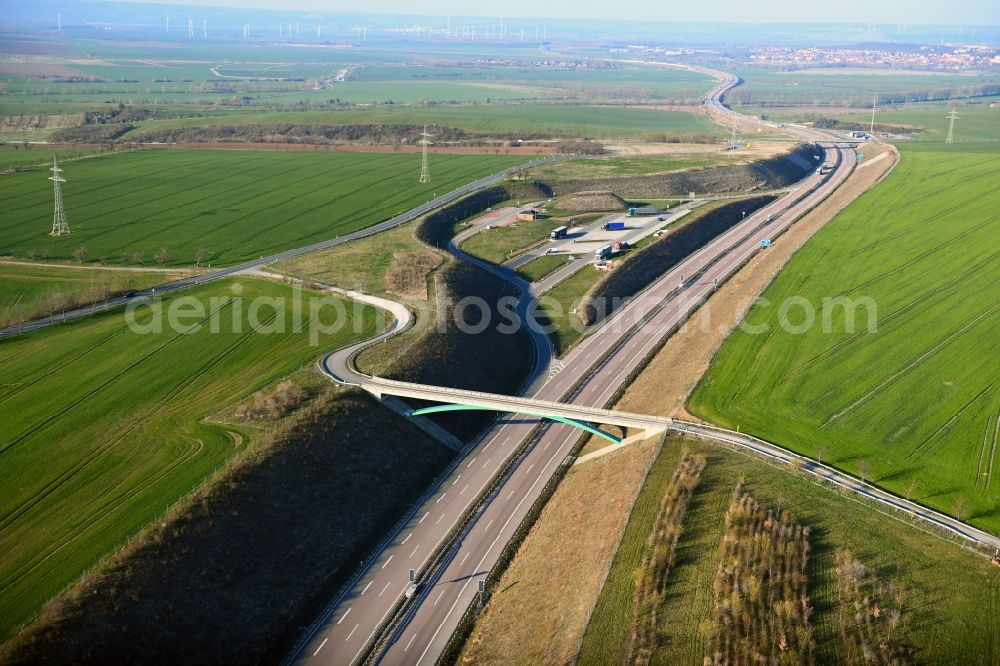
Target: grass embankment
235, 571
558, 308
946, 586
175, 206
368, 265
542, 267
103, 424
30, 291
906, 404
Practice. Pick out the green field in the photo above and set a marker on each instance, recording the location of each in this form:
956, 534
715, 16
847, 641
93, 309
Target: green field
595, 122
767, 86
27, 291
104, 426
545, 265
913, 405
619, 167
950, 592
236, 205
499, 244
558, 305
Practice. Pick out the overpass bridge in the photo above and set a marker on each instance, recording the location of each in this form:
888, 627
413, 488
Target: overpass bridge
453, 399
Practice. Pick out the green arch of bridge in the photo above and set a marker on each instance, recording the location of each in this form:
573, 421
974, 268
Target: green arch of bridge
561, 419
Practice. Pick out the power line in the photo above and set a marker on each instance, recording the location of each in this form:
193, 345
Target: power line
952, 116
60, 227
425, 172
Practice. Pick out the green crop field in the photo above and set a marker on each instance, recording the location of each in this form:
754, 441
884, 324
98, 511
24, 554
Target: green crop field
837, 87
947, 589
26, 291
595, 122
236, 205
103, 425
913, 403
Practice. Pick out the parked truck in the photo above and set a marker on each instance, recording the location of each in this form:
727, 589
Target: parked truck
642, 210
604, 252
558, 232
613, 226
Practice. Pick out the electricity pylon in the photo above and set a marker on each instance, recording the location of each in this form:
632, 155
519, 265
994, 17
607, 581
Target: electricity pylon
952, 115
60, 226
425, 172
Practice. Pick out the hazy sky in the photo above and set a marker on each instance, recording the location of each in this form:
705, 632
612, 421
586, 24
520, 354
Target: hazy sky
960, 12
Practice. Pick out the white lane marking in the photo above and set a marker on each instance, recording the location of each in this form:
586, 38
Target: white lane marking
414, 550
385, 588
546, 445
464, 489
351, 634
366, 587
406, 539
472, 461
485, 464
422, 518
439, 598
439, 519
440, 498
488, 525
510, 495
387, 561
464, 558
320, 646
344, 615
409, 642
456, 479
529, 468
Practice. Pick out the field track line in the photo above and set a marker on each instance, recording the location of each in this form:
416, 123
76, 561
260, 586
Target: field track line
917, 361
88, 520
993, 451
921, 450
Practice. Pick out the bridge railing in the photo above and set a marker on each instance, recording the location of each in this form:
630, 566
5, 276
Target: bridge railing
499, 397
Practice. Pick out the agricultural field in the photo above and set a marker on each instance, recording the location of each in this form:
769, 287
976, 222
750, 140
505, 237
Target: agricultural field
770, 87
174, 206
592, 122
889, 397
942, 618
28, 291
108, 425
17, 156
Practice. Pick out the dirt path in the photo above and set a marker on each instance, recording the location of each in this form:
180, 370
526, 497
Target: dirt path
99, 267
664, 387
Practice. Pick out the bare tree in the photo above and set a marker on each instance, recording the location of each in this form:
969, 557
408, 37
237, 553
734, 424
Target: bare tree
961, 505
821, 453
32, 254
139, 258
200, 256
80, 254
864, 469
911, 488
163, 255
46, 253
123, 258
102, 260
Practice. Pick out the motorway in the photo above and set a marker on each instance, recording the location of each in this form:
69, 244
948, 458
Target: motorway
475, 509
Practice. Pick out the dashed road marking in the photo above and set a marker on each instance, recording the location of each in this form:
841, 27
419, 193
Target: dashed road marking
351, 634
387, 561
320, 646
366, 587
